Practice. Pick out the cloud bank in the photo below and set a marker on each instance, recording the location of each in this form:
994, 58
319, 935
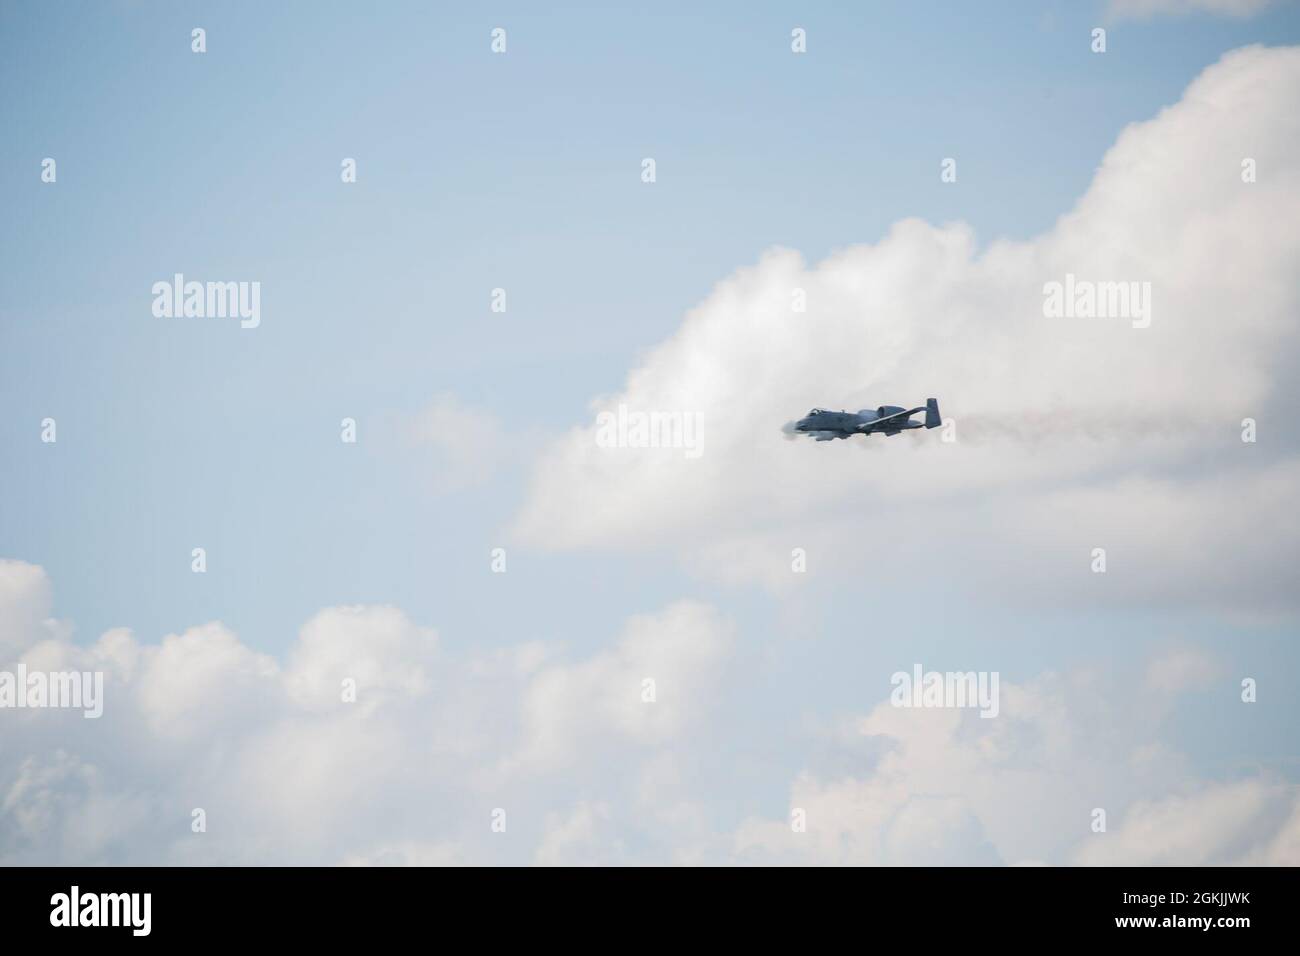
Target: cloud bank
574, 760
1070, 433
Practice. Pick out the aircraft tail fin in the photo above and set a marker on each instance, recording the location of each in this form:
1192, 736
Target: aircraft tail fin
932, 419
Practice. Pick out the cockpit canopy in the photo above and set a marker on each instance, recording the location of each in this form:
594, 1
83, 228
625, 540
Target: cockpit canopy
816, 411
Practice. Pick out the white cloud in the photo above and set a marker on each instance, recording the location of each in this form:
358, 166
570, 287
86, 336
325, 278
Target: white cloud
286, 770
358, 644
469, 444
200, 681
409, 854
1224, 824
1140, 427
586, 771
1181, 668
679, 651
585, 836
952, 788
25, 601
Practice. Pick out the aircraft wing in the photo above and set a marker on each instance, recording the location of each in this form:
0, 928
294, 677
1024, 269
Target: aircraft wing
889, 418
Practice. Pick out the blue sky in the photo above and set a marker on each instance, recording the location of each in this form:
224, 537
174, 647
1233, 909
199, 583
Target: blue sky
520, 171
475, 172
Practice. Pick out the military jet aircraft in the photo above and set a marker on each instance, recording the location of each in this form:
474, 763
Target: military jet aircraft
887, 420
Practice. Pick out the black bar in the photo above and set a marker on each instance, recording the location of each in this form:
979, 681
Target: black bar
362, 906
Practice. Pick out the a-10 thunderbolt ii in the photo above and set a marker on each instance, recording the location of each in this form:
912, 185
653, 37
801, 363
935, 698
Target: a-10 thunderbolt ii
886, 420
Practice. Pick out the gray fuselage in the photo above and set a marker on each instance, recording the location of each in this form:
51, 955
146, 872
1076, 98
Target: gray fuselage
825, 425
